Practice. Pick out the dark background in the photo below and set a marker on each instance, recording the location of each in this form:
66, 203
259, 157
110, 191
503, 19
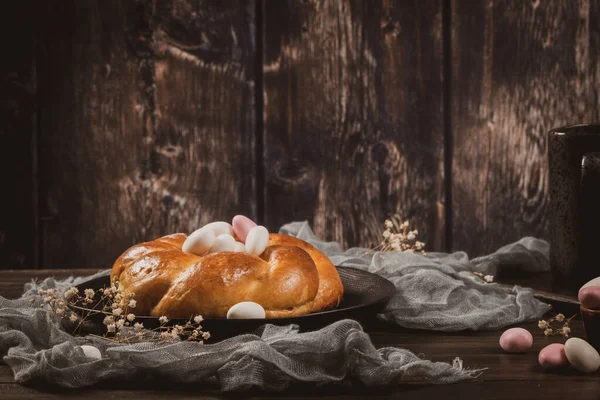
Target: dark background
121, 121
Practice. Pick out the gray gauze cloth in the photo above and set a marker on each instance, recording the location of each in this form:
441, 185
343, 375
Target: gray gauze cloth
440, 291
434, 291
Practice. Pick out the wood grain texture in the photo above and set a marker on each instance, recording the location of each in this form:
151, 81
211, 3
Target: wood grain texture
17, 135
518, 69
147, 116
353, 116
500, 390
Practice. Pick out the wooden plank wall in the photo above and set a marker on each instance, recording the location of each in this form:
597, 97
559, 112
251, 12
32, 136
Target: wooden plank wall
147, 120
353, 116
125, 120
18, 136
519, 68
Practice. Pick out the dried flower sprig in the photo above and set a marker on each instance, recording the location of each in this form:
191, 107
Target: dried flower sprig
562, 328
120, 320
486, 278
397, 236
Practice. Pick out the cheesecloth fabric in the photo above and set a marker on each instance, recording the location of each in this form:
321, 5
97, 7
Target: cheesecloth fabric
436, 292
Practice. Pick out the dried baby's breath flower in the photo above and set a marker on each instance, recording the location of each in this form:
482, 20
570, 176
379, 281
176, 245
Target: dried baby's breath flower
165, 335
398, 237
116, 309
486, 278
71, 292
563, 329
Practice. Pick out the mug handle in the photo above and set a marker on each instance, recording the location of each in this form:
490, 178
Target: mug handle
590, 212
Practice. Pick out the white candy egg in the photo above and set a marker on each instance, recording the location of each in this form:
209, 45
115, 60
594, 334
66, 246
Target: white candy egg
224, 242
91, 351
239, 247
582, 355
199, 242
257, 239
246, 310
219, 228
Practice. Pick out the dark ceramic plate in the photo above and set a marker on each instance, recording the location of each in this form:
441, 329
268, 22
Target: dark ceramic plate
365, 294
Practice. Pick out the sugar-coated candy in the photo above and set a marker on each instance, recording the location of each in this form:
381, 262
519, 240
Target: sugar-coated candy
219, 228
553, 356
589, 297
246, 310
239, 247
516, 340
582, 355
199, 242
241, 226
91, 351
224, 242
257, 240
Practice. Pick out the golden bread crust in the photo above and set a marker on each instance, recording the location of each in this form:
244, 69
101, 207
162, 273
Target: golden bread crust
289, 278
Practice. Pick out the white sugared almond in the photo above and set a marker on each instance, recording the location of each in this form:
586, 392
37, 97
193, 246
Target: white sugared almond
582, 355
199, 242
246, 310
239, 247
224, 242
257, 239
219, 228
91, 351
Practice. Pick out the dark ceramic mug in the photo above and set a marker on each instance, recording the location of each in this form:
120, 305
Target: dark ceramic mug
574, 165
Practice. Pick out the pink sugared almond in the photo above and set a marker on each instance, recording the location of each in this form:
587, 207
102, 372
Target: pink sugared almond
553, 356
589, 297
241, 226
516, 340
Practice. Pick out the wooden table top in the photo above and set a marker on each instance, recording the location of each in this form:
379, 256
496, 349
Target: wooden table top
516, 376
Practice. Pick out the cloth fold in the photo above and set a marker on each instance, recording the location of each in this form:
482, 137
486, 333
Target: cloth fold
436, 291
440, 291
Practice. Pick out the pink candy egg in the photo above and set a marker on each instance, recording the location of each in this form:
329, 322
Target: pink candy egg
241, 226
553, 356
516, 340
589, 297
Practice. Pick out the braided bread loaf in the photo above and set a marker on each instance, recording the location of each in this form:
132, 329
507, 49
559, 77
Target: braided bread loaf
289, 278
